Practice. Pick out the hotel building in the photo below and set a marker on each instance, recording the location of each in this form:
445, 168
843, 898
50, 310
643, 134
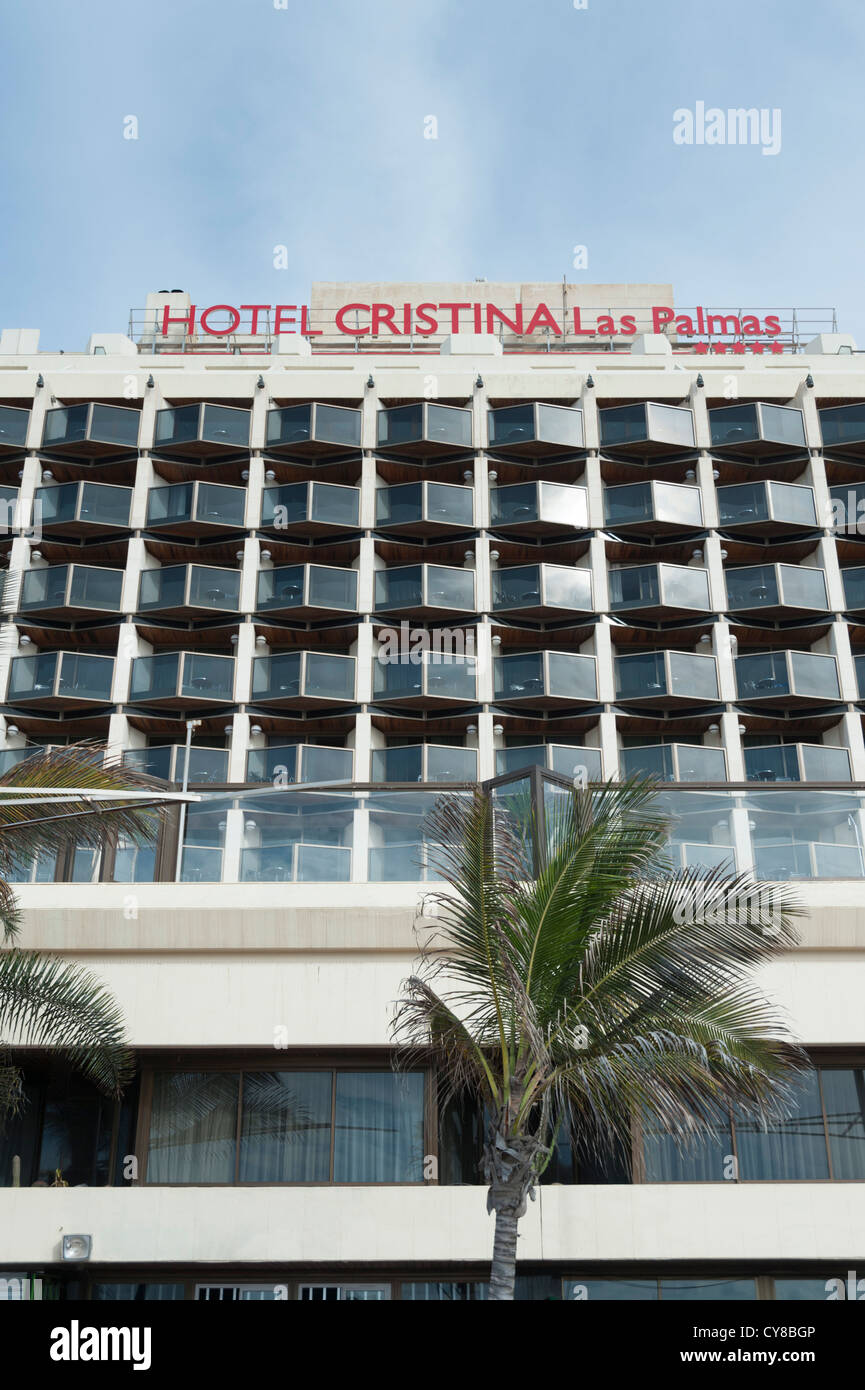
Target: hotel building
634, 552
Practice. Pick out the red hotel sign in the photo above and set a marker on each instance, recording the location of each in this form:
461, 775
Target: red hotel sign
424, 320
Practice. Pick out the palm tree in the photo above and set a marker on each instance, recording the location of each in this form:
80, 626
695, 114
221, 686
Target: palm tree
44, 1001
577, 984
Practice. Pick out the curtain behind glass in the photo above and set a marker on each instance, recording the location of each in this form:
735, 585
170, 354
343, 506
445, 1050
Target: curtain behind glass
193, 1127
844, 1099
791, 1148
703, 1161
379, 1127
285, 1133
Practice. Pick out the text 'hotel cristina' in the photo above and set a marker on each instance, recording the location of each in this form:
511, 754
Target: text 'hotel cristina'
313, 563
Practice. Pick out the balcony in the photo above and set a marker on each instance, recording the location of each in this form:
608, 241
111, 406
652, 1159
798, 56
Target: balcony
797, 762
776, 591
189, 591
303, 679
436, 678
784, 678
11, 757
805, 834
71, 591
567, 759
659, 591
81, 509
666, 678
534, 429
646, 428
771, 509
307, 591
196, 509
755, 429
174, 679
309, 509
424, 430
542, 591
10, 519
313, 430
424, 509
91, 431
299, 762
847, 504
843, 428
674, 762
536, 509
854, 589
425, 762
423, 591
65, 680
287, 847
654, 508
14, 424
201, 431
545, 680
168, 761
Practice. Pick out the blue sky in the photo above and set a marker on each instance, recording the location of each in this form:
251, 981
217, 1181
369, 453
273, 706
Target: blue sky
303, 126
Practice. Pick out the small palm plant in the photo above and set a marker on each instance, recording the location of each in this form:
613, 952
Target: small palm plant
44, 1001
577, 984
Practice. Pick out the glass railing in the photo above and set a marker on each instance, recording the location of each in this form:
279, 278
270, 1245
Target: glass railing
193, 676
767, 504
425, 586
71, 586
664, 505
439, 426
14, 424
307, 587
10, 517
859, 663
756, 587
534, 676
303, 427
11, 757
536, 427
666, 675
797, 762
207, 504
674, 762
424, 762
302, 676
61, 676
531, 588
665, 426
854, 588
189, 586
89, 504
168, 761
772, 675
310, 505
425, 505
540, 506
443, 678
567, 759
280, 764
202, 428
843, 425
113, 427
659, 586
300, 834
755, 426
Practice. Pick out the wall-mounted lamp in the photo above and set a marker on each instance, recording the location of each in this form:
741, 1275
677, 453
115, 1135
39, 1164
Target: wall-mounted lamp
76, 1247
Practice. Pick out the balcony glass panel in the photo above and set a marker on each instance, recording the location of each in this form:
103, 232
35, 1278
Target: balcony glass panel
641, 674
647, 423
100, 503
299, 763
169, 760
450, 588
854, 587
445, 503
88, 588
448, 425
685, 588
162, 588
741, 424
208, 677
860, 675
326, 677
9, 507
333, 588
177, 426
333, 425
783, 425
453, 505
520, 676
793, 503
803, 587
32, 675
109, 424
445, 679
652, 760
847, 505
568, 675
559, 424
80, 677
445, 588
564, 504
219, 424
334, 505
753, 587
682, 505
406, 764
517, 588
404, 424
213, 588
742, 504
218, 505
764, 673
567, 588
399, 505
635, 588
693, 676
512, 424
623, 425
815, 675
514, 505
843, 424
274, 676
772, 763
13, 427
10, 757
671, 424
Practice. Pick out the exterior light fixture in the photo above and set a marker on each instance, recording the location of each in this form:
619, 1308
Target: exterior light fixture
705, 637
35, 554
265, 555
742, 729
260, 382
494, 554
370, 382
590, 381
468, 476
492, 475
724, 554
714, 728
469, 554
261, 641
76, 1247
245, 475
480, 381
696, 554
471, 728
690, 473
809, 381
255, 730
234, 639
270, 475
238, 554
229, 729
150, 382
47, 475
715, 474
40, 381
251, 825
498, 729
497, 641
25, 640
700, 381
12, 729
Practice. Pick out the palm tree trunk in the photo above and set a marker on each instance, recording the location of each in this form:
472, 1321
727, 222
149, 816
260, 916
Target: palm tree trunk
504, 1265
